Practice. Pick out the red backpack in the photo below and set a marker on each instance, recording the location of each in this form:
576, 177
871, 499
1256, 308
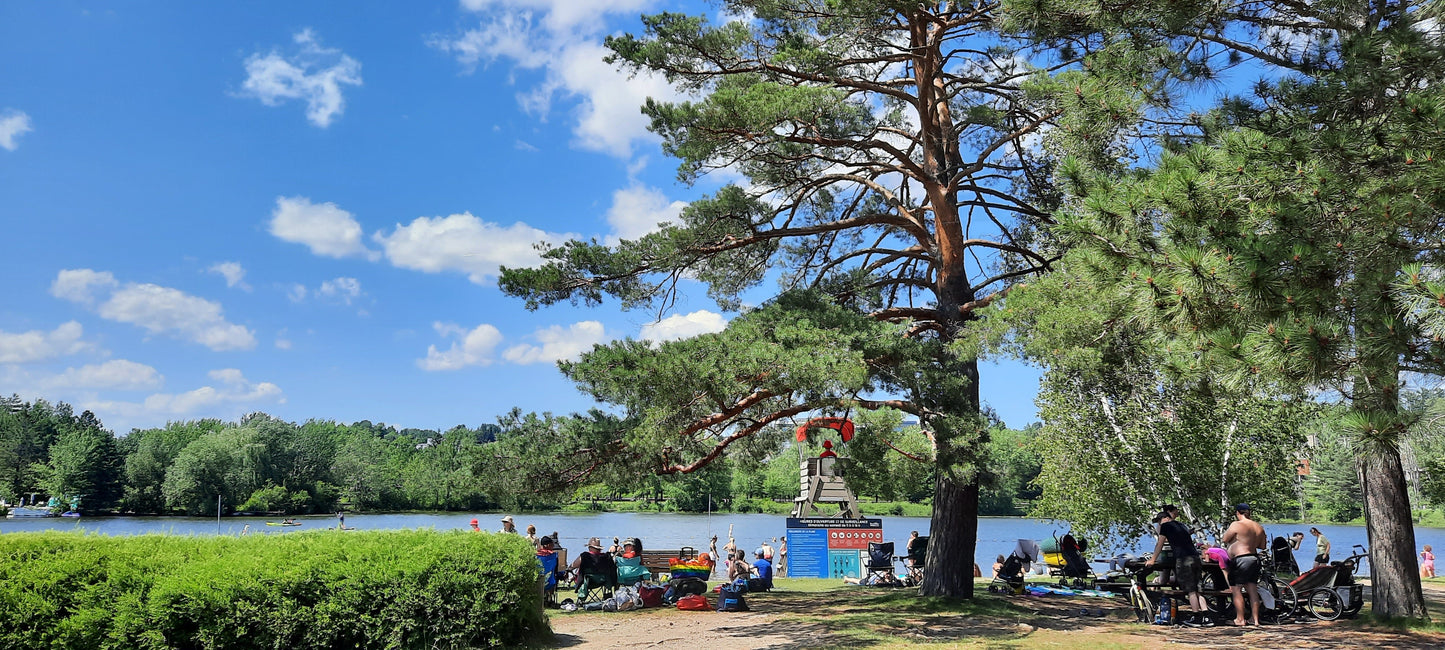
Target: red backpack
694, 602
651, 596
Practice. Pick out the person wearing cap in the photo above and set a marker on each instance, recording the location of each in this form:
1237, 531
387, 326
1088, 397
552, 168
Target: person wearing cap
1186, 563
764, 569
1245, 538
507, 526
767, 550
476, 526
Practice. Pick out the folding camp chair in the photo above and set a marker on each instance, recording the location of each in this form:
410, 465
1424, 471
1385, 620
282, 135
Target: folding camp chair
915, 559
549, 578
880, 561
598, 577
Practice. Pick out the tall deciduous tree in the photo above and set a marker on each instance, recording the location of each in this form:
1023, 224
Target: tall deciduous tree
1301, 238
886, 146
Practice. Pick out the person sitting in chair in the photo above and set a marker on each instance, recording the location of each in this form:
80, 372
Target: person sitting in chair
764, 570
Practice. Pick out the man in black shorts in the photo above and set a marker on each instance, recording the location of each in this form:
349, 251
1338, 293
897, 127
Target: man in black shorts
1186, 563
1245, 539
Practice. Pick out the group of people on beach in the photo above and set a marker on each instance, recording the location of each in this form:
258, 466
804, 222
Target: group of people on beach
1238, 559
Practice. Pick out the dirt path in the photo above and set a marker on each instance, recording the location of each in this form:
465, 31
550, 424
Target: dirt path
878, 619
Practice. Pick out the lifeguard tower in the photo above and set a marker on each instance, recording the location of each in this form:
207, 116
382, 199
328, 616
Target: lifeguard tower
831, 545
820, 480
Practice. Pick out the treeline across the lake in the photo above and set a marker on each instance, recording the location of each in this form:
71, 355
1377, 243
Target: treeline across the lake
530, 462
265, 464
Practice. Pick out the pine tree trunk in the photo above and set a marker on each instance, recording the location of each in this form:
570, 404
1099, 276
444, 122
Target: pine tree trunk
1395, 585
953, 535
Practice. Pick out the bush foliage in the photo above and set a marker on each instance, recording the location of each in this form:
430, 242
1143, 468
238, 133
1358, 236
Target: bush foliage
327, 589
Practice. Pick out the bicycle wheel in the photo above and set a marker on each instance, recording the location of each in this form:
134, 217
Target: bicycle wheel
1209, 587
1326, 605
1143, 607
1286, 601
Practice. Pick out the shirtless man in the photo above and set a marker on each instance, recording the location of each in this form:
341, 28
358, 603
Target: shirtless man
1245, 538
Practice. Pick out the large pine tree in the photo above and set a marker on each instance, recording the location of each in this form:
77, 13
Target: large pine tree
889, 166
1300, 237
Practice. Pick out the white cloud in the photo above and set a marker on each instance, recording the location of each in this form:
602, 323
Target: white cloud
314, 74
476, 347
160, 310
13, 124
344, 289
563, 14
639, 209
234, 273
296, 293
324, 228
233, 388
679, 326
81, 285
464, 243
523, 145
565, 43
118, 374
282, 342
39, 345
556, 343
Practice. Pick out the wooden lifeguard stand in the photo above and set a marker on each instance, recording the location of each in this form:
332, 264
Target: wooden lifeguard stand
820, 479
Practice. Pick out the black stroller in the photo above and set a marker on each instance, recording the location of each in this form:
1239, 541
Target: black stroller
1010, 578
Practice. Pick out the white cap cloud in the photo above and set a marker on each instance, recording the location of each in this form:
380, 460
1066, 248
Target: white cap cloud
638, 210
118, 374
464, 243
315, 74
39, 345
157, 309
475, 347
234, 273
683, 326
478, 346
231, 389
565, 42
325, 228
557, 343
343, 289
13, 124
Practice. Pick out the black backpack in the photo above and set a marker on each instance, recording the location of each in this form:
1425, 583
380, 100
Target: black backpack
730, 599
680, 587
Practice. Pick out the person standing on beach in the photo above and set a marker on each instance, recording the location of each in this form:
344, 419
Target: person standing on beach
783, 557
1322, 548
1245, 538
767, 550
1186, 563
508, 526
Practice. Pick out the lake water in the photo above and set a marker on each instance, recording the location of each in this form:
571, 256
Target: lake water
996, 535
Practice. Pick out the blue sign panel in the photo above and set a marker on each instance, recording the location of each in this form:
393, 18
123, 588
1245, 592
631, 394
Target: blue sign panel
808, 553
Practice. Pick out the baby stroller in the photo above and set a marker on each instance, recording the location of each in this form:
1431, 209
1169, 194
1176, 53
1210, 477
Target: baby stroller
1065, 559
1330, 592
1010, 578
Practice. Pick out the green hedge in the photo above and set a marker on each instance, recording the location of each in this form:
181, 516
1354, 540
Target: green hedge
324, 589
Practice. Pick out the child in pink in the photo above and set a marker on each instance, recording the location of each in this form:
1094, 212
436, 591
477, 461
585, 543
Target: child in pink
1427, 564
1220, 556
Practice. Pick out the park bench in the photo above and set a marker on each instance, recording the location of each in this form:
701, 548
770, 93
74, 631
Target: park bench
660, 562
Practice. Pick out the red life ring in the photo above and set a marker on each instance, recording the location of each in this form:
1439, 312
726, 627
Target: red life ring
843, 426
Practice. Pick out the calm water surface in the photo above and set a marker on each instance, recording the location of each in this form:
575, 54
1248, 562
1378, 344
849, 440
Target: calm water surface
996, 535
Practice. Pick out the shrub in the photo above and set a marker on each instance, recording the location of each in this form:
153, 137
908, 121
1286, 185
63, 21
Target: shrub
324, 589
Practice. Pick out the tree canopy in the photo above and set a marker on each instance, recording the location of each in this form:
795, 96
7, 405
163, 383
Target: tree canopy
891, 174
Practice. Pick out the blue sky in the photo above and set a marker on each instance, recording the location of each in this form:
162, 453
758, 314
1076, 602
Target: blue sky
299, 208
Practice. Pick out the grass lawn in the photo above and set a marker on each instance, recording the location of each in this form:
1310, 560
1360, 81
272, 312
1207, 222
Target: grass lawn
808, 613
